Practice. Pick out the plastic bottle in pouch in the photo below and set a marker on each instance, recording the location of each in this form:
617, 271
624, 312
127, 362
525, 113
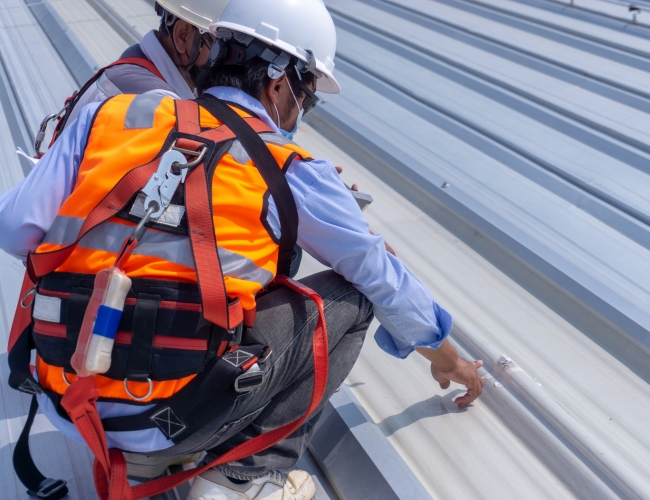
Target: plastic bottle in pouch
101, 320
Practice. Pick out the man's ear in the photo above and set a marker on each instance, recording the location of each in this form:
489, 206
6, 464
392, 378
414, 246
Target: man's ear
182, 34
273, 89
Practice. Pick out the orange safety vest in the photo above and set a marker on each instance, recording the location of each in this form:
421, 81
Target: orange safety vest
129, 131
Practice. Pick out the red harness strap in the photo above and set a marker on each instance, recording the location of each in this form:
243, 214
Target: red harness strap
202, 234
137, 61
40, 264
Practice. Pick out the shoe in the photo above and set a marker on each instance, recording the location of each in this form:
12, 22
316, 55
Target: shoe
213, 485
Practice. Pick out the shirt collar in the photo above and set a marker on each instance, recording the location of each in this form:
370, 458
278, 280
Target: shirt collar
158, 55
240, 97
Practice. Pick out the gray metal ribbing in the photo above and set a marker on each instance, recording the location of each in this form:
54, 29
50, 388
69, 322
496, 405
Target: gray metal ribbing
356, 457
20, 132
408, 174
115, 21
394, 41
524, 386
75, 56
562, 29
511, 46
356, 66
594, 12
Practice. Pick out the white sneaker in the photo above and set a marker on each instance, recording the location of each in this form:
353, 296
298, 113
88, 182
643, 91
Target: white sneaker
213, 485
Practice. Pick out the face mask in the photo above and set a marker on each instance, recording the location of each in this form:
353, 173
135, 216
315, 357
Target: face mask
196, 72
292, 133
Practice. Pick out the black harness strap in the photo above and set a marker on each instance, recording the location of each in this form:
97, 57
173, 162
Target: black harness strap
77, 304
271, 173
144, 326
37, 484
199, 402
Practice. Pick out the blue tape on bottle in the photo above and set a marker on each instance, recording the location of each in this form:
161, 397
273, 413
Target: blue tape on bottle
107, 321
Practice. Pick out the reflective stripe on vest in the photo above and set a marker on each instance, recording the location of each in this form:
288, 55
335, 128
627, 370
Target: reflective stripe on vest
171, 247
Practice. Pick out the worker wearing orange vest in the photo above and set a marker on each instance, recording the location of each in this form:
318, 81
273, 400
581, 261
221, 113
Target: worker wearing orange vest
192, 210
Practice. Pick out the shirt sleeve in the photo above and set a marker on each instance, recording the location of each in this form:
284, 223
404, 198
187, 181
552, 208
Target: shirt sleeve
333, 230
28, 209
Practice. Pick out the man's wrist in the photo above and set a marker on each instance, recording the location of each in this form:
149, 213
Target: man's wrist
445, 358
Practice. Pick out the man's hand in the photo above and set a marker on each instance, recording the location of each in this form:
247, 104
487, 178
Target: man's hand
354, 186
464, 373
447, 367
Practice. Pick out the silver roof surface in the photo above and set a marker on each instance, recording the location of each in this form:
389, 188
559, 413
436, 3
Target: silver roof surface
536, 115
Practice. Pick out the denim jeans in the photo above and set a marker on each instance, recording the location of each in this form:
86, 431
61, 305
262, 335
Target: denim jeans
285, 321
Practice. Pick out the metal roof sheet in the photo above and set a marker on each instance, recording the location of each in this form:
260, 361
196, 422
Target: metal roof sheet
536, 116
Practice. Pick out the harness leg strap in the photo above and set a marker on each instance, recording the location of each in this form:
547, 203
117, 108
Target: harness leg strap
109, 467
37, 484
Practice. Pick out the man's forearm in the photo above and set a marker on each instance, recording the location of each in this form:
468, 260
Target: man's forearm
444, 358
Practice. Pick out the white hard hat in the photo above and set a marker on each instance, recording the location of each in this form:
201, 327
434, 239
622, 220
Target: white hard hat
298, 27
199, 13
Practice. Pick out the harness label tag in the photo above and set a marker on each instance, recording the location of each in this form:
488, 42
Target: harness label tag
47, 308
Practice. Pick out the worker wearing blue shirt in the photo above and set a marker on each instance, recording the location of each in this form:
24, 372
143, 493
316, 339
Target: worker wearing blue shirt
365, 278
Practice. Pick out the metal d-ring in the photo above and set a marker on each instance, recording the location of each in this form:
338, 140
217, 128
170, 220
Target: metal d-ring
31, 291
200, 154
135, 398
65, 377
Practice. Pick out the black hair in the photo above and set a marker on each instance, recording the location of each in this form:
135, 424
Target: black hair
167, 20
251, 77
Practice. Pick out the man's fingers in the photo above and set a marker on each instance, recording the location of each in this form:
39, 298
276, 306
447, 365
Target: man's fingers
478, 363
354, 187
472, 393
339, 169
440, 378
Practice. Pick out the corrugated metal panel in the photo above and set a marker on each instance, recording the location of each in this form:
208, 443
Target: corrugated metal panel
536, 117
93, 30
55, 455
522, 160
500, 447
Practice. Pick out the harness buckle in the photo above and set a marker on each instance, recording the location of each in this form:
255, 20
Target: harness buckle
152, 190
50, 489
237, 333
249, 381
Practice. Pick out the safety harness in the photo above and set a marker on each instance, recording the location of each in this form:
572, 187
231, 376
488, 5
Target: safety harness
182, 417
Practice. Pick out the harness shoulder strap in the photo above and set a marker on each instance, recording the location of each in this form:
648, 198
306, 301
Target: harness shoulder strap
72, 101
137, 61
271, 173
